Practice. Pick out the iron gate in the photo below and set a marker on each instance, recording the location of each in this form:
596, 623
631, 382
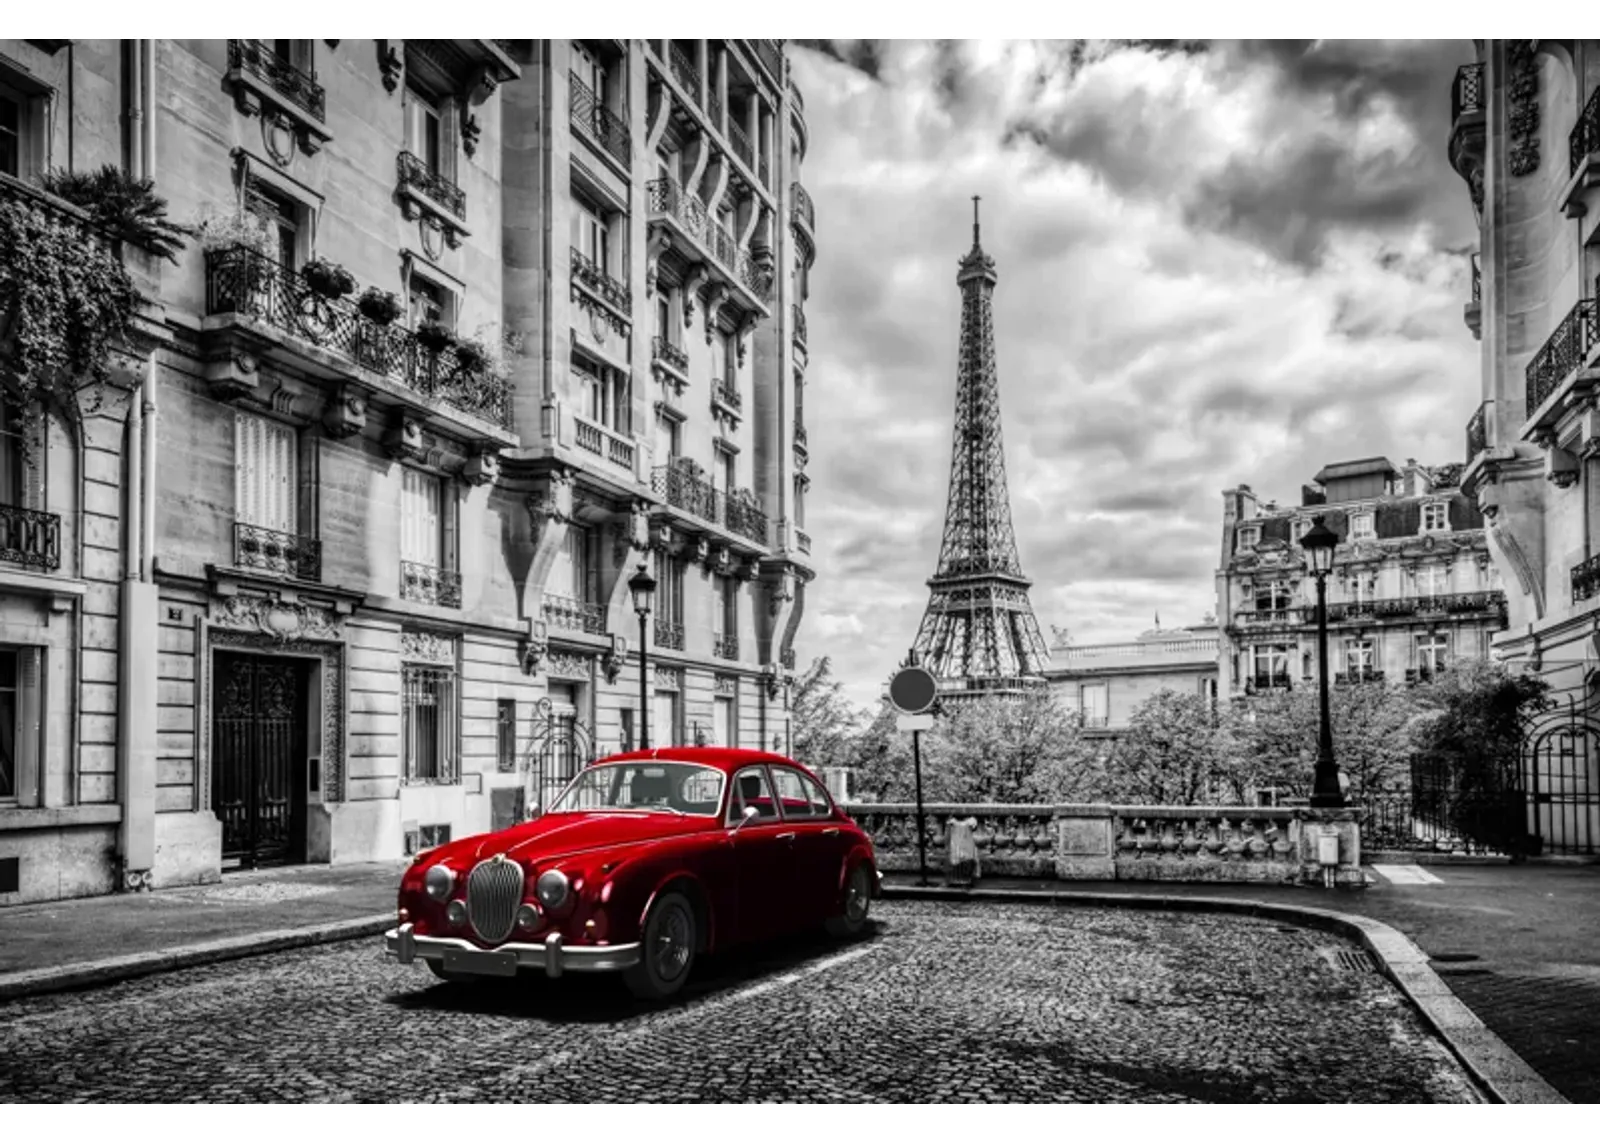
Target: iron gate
561, 746
258, 758
1560, 754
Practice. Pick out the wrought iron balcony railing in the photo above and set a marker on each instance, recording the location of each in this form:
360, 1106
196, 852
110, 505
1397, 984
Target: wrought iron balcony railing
587, 273
280, 553
742, 516
669, 635
1355, 678
741, 144
725, 646
424, 583
688, 493
1586, 579
416, 173
802, 540
259, 60
598, 121
1585, 136
685, 72
799, 318
664, 351
1466, 93
1477, 432
665, 196
727, 392
574, 614
30, 538
803, 207
1563, 354
242, 281
1276, 615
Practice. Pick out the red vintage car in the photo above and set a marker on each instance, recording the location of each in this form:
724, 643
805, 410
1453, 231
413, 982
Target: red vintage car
644, 861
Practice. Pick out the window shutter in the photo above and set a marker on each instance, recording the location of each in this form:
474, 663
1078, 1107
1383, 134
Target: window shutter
246, 438
279, 478
28, 729
446, 534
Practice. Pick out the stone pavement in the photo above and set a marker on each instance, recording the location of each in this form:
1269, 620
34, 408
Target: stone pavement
959, 1002
1519, 945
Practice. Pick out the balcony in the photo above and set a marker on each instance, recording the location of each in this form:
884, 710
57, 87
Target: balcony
610, 446
726, 393
711, 245
343, 343
798, 317
574, 614
800, 436
424, 583
590, 276
663, 352
30, 539
669, 635
1566, 351
684, 71
1265, 616
423, 190
1472, 312
1586, 580
259, 76
1477, 432
802, 540
1466, 93
608, 129
770, 55
803, 210
277, 553
725, 646
1356, 678
686, 492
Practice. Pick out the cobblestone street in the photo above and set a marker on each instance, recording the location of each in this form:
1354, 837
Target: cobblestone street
945, 1002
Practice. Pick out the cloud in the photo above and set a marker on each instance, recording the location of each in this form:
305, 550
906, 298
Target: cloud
1217, 264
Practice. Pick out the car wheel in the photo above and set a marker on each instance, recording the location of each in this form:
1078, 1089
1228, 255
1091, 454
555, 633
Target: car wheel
857, 901
445, 974
666, 950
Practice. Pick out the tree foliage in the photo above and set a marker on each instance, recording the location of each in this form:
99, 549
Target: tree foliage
1473, 721
823, 723
1169, 755
126, 208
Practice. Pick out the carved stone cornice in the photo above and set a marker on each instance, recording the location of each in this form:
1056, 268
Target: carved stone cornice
427, 647
280, 619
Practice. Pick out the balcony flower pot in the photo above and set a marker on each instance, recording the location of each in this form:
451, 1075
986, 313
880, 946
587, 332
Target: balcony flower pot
328, 279
379, 306
471, 355
435, 336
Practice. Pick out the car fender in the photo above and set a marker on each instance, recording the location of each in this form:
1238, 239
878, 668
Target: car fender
859, 854
660, 879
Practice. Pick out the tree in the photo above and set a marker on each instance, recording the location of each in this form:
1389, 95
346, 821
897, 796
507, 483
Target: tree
882, 762
823, 724
1474, 722
1026, 749
1169, 754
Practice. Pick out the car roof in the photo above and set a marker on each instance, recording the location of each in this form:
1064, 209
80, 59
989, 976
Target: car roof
725, 758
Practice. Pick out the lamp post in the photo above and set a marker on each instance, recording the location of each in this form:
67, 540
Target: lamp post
1319, 543
643, 586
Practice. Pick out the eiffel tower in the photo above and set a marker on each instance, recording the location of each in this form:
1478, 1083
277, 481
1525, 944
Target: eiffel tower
979, 635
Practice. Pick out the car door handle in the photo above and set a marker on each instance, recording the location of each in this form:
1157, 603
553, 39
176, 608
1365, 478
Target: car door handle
831, 832
786, 837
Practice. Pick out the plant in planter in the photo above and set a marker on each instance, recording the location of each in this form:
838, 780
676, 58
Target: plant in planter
126, 208
65, 301
246, 244
379, 306
471, 354
435, 336
329, 279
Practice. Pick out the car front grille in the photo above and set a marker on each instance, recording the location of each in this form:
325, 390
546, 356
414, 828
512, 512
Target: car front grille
494, 890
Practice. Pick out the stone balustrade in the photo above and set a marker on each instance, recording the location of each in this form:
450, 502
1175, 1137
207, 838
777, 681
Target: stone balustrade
1120, 843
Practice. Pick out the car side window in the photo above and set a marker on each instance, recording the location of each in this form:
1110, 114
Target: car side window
750, 788
821, 804
792, 794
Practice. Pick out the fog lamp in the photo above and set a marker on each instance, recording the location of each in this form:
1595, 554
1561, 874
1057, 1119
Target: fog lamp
456, 914
528, 917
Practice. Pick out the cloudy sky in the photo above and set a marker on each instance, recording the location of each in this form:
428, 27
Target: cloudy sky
1217, 264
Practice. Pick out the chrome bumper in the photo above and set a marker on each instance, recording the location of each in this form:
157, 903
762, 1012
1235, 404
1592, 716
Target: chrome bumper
550, 954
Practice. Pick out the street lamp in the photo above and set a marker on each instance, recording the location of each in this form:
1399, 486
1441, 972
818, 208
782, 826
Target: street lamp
643, 586
1319, 543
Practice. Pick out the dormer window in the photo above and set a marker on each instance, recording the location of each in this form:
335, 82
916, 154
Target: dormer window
1249, 537
1361, 526
1436, 517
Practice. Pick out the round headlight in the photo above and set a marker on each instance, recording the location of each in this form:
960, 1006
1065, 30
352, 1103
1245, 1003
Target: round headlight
551, 888
438, 881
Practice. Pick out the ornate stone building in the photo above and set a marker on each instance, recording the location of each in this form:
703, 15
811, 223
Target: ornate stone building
1106, 682
1412, 586
471, 330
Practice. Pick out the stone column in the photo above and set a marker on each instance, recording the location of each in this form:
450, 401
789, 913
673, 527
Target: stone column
1341, 824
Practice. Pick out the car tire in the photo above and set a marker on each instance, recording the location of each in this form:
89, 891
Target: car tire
666, 949
446, 975
852, 915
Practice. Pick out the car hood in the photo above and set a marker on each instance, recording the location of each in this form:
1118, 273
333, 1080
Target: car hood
556, 836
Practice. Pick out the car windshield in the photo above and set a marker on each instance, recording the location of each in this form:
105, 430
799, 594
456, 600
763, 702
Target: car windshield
643, 787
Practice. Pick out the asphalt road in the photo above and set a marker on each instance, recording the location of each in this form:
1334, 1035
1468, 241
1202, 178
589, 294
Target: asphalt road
942, 1002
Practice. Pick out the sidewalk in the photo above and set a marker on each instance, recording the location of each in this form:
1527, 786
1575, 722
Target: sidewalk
1519, 945
98, 940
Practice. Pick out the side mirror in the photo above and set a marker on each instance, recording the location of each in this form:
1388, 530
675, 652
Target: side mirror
750, 812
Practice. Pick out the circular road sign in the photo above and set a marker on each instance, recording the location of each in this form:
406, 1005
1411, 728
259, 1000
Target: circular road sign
912, 690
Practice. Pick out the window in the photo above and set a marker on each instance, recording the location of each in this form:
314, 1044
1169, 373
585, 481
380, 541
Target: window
821, 805
719, 360
428, 723
800, 485
1208, 690
627, 729
669, 438
723, 730
591, 236
426, 301
669, 589
728, 462
10, 134
590, 69
505, 725
282, 216
1249, 537
21, 670
421, 519
725, 619
425, 128
1361, 526
266, 484
1432, 581
13, 473
1432, 650
664, 720
1358, 657
576, 574
664, 321
1298, 528
1270, 665
1436, 517
23, 107
1094, 700
792, 793
1359, 589
750, 789
1275, 596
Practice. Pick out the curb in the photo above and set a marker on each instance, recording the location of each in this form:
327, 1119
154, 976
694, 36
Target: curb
96, 973
1503, 1074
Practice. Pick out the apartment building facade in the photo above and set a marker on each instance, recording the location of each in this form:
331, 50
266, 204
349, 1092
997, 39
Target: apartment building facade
1412, 588
1106, 682
471, 329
